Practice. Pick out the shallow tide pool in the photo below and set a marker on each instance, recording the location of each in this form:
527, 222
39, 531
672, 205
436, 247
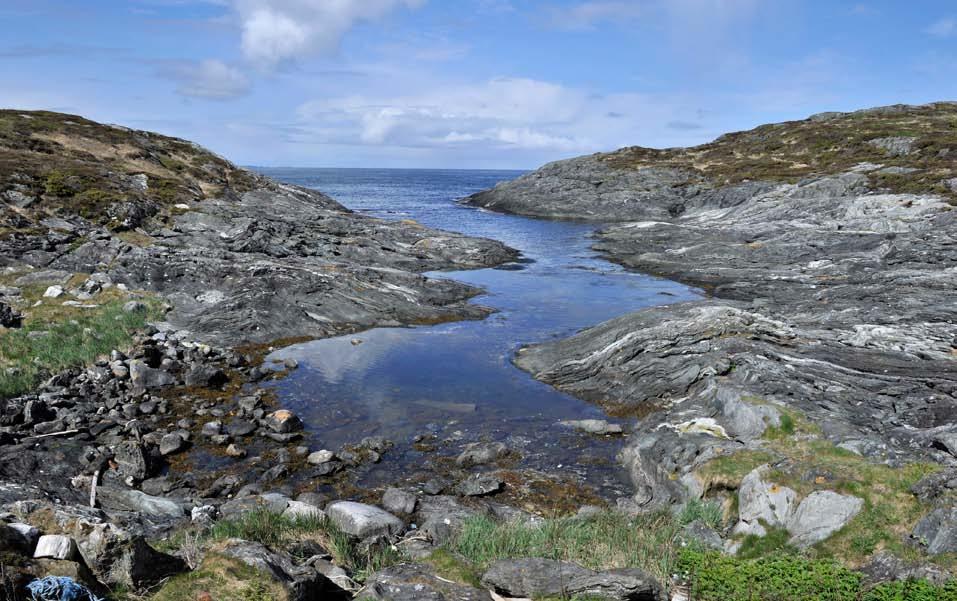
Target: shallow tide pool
456, 380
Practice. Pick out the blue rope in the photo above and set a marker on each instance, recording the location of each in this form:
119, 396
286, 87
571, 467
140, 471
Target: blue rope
59, 588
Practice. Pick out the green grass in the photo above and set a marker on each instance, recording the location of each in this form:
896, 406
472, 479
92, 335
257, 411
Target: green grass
784, 577
606, 540
708, 512
276, 531
74, 337
222, 578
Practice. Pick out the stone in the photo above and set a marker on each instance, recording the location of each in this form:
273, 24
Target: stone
399, 501
478, 485
481, 453
763, 503
144, 377
302, 583
417, 582
936, 532
29, 536
361, 520
53, 292
204, 515
56, 546
123, 499
213, 428
594, 426
299, 509
235, 451
283, 421
205, 376
702, 535
134, 307
9, 317
171, 443
131, 460
320, 457
550, 578
240, 427
820, 515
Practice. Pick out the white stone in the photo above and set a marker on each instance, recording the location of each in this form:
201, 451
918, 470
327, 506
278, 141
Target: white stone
320, 457
298, 509
361, 520
55, 546
53, 292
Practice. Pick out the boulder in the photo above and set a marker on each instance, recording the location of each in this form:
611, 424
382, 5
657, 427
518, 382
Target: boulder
478, 485
205, 376
171, 443
550, 578
761, 502
299, 509
56, 546
126, 499
320, 457
131, 460
480, 453
417, 582
937, 531
302, 583
283, 421
594, 426
820, 515
144, 377
361, 520
399, 501
9, 317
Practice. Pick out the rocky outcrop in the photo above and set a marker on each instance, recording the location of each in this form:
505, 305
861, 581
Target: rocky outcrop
829, 276
242, 259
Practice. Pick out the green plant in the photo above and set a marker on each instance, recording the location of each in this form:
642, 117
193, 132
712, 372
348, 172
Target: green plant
774, 542
708, 512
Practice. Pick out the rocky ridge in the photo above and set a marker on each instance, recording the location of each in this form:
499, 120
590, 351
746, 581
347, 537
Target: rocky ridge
827, 247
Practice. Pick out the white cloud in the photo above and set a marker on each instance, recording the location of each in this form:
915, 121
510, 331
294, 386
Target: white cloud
944, 28
210, 79
587, 15
274, 31
505, 114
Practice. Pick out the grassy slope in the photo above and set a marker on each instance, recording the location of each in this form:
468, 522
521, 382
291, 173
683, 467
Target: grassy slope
796, 149
77, 166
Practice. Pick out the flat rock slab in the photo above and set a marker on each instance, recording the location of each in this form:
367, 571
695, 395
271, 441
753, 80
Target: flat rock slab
550, 578
56, 546
937, 531
122, 499
820, 515
361, 520
416, 582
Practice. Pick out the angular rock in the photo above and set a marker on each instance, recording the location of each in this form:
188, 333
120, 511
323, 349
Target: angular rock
361, 520
481, 453
124, 499
131, 460
320, 457
283, 421
399, 501
820, 515
478, 485
144, 377
937, 531
551, 578
56, 546
418, 582
761, 502
302, 583
171, 443
298, 509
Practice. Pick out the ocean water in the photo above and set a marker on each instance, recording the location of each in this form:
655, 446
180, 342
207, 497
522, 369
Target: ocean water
456, 381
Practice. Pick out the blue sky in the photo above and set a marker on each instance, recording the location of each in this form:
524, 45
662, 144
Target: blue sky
466, 83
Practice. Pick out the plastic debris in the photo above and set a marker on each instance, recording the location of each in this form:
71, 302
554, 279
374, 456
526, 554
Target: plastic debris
59, 588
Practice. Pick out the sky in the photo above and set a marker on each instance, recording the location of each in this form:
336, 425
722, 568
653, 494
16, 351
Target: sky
466, 83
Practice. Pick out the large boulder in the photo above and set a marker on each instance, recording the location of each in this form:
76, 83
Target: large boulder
143, 377
762, 503
56, 546
361, 520
820, 515
417, 582
302, 583
132, 460
126, 499
550, 578
937, 531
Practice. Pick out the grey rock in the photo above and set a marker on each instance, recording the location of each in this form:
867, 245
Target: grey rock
29, 536
145, 377
761, 502
131, 460
697, 532
478, 485
283, 421
320, 457
551, 578
361, 520
302, 583
418, 582
9, 317
399, 501
56, 546
171, 443
123, 499
594, 426
895, 145
299, 509
481, 453
937, 531
820, 515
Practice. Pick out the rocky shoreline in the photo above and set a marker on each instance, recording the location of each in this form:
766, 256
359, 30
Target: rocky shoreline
830, 298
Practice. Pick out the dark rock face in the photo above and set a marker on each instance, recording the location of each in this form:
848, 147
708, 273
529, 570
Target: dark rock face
417, 582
